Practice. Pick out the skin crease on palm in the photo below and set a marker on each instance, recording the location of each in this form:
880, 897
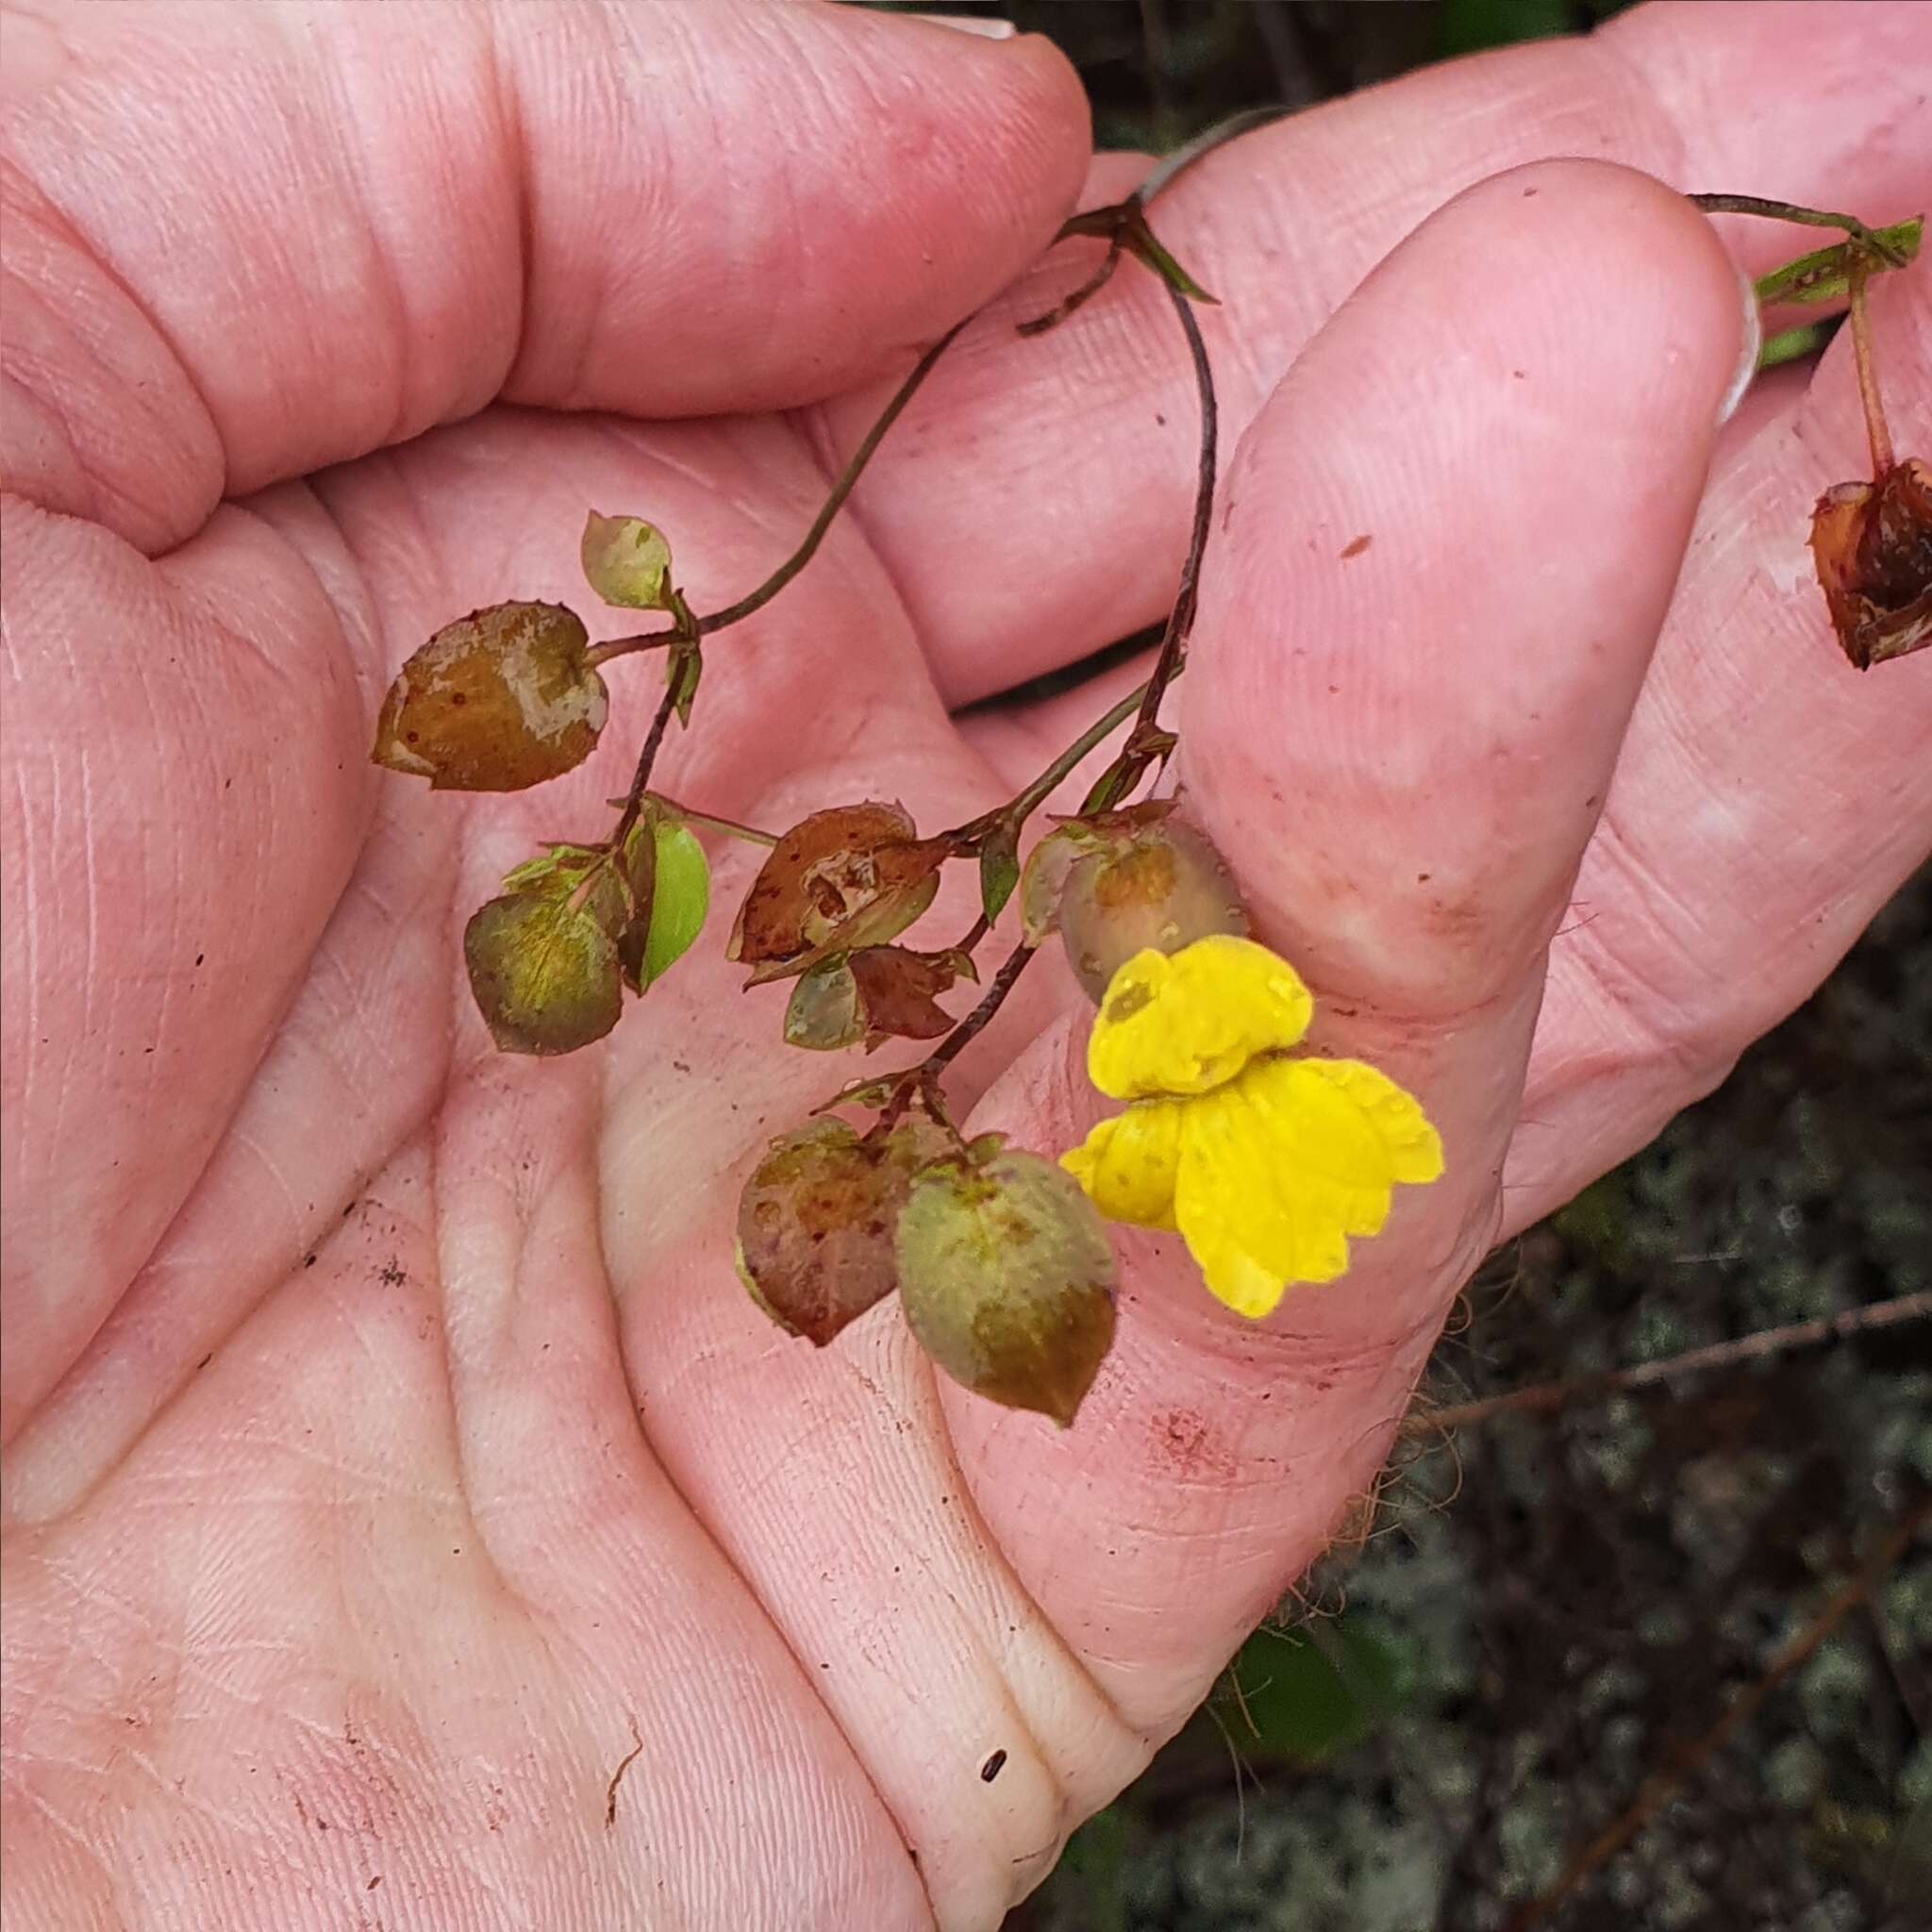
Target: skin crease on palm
391, 1451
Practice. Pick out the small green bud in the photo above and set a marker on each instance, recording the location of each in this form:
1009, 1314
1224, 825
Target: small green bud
627, 562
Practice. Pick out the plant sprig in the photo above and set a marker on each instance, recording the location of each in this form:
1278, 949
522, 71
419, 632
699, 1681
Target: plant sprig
834, 1219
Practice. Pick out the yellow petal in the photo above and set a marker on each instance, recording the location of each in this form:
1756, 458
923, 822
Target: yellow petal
1344, 1133
1127, 1164
1249, 1222
1278, 1168
1186, 1023
1412, 1146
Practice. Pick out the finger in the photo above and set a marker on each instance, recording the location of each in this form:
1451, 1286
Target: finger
570, 206
1768, 799
1401, 745
183, 805
355, 1070
1062, 466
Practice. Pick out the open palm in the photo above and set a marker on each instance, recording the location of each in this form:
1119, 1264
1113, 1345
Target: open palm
392, 1453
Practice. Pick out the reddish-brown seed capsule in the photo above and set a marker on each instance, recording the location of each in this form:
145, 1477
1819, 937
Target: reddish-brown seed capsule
1165, 888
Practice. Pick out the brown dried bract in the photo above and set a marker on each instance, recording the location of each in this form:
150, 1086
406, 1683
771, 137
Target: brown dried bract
1872, 546
498, 701
817, 1222
897, 990
875, 994
855, 876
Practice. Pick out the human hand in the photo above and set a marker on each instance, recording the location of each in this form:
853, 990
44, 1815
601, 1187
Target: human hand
375, 1569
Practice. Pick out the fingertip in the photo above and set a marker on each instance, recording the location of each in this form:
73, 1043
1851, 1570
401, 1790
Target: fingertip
1449, 541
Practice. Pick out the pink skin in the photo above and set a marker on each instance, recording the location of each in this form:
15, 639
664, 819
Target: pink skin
392, 1449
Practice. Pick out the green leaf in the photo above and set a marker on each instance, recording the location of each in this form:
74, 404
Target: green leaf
1467, 27
685, 667
1310, 1695
498, 701
999, 868
545, 972
1794, 344
1101, 792
682, 899
824, 1011
1094, 1866
627, 562
1824, 275
1146, 248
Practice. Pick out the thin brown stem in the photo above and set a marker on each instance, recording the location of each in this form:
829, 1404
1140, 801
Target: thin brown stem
923, 1080
713, 823
1042, 787
848, 479
1547, 1398
1065, 307
641, 778
625, 647
1876, 433
1024, 803
976, 1023
1172, 655
1805, 217
974, 933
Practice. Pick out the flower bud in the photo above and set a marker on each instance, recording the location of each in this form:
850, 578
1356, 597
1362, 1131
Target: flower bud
1164, 889
1007, 1279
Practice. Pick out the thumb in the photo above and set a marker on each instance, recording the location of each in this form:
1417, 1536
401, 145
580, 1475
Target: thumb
1447, 545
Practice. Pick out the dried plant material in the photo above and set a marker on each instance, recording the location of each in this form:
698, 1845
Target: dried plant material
544, 971
855, 876
498, 701
875, 994
817, 1219
1006, 1278
1872, 546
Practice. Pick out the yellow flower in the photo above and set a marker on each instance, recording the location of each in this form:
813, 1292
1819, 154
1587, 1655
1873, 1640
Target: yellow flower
1264, 1165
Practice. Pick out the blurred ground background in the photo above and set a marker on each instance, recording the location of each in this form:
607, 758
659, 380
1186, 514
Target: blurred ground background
1563, 1605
